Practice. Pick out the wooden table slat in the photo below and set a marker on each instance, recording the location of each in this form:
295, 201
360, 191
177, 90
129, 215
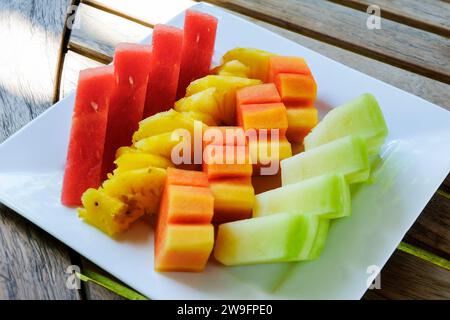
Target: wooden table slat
429, 15
409, 48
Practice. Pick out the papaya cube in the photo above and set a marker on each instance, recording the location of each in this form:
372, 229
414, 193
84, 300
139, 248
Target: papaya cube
301, 122
263, 116
283, 64
233, 199
183, 247
261, 93
226, 161
187, 204
263, 151
221, 136
296, 87
105, 212
181, 177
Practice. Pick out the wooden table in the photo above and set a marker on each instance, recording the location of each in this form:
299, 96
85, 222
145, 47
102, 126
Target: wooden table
41, 58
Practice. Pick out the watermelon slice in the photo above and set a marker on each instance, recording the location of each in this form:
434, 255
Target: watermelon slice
87, 137
198, 48
131, 65
361, 116
164, 69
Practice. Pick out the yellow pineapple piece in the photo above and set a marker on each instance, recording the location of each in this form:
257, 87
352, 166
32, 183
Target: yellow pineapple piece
105, 212
161, 123
232, 68
125, 150
225, 93
140, 189
202, 117
257, 60
204, 102
161, 144
139, 160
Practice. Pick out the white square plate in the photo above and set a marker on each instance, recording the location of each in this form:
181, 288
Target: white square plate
416, 159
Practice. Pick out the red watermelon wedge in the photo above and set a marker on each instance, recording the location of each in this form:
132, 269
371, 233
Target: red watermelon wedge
87, 137
198, 48
131, 64
164, 69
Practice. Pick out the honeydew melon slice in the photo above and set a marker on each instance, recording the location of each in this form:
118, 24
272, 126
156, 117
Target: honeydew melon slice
327, 196
361, 116
276, 238
347, 156
320, 239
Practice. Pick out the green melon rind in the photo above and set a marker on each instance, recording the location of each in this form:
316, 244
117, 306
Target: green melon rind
320, 239
361, 116
327, 196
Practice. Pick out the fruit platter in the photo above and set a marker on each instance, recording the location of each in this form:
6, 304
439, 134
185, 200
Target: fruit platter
216, 160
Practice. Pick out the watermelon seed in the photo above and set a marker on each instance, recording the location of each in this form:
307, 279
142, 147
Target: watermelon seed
94, 106
131, 80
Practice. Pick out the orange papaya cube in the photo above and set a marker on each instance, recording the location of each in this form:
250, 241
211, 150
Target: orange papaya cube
283, 64
226, 161
299, 104
224, 136
183, 247
233, 199
181, 177
263, 151
296, 87
301, 122
263, 116
186, 204
261, 93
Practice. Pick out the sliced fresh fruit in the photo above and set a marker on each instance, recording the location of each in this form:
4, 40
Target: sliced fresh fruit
261, 93
131, 65
164, 69
347, 156
275, 238
137, 160
183, 247
296, 87
204, 118
225, 94
230, 136
203, 101
126, 150
163, 122
226, 161
105, 212
180, 177
320, 239
198, 48
327, 196
233, 68
300, 122
161, 144
140, 189
187, 204
361, 116
263, 151
233, 199
263, 116
257, 60
283, 64
87, 137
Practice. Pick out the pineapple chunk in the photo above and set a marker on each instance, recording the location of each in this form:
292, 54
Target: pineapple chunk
140, 189
138, 160
226, 88
257, 60
161, 123
233, 68
161, 144
203, 101
205, 118
105, 212
125, 150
